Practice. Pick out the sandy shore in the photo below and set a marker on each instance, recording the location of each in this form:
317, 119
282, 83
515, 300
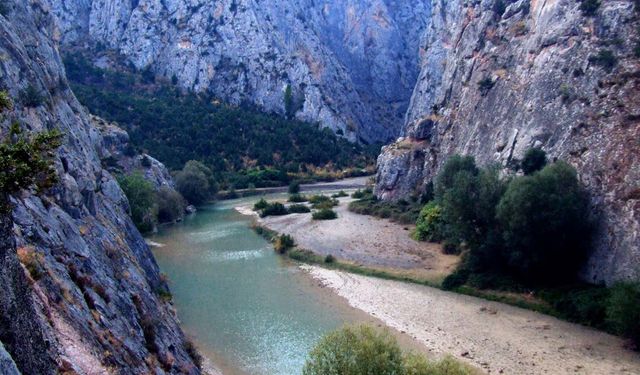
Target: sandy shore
496, 337
363, 240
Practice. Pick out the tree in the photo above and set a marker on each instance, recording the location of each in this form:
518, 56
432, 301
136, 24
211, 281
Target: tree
545, 231
454, 165
288, 102
534, 160
429, 226
355, 351
192, 182
294, 187
142, 204
171, 205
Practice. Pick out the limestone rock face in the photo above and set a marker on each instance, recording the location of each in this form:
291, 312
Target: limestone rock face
539, 74
79, 288
351, 64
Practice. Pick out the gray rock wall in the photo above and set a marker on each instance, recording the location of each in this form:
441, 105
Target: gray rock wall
352, 64
91, 286
547, 91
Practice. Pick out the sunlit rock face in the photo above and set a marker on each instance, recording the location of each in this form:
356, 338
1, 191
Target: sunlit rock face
352, 64
79, 288
544, 86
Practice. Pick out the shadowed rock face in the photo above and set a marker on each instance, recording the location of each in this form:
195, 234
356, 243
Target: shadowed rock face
543, 88
86, 295
352, 64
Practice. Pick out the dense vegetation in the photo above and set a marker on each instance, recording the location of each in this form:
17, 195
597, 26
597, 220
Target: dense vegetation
402, 211
525, 233
363, 351
241, 146
25, 160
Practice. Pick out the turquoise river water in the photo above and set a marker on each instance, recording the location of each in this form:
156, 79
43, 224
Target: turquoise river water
248, 309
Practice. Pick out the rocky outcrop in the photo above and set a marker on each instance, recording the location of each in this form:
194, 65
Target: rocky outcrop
351, 64
79, 289
496, 81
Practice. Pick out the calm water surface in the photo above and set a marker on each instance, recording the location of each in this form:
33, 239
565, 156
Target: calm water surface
243, 305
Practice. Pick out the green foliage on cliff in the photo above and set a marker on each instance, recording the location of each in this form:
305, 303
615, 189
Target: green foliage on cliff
361, 350
240, 144
26, 160
142, 201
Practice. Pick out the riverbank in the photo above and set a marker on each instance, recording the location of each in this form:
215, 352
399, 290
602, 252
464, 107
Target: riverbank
345, 184
494, 336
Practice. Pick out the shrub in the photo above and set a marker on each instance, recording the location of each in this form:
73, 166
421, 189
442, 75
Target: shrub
294, 187
418, 365
297, 198
193, 183
456, 279
362, 194
5, 101
623, 311
171, 205
429, 226
363, 351
324, 214
340, 194
141, 196
274, 209
534, 160
605, 58
283, 243
355, 351
544, 228
485, 85
299, 209
329, 259
589, 7
323, 202
260, 205
31, 97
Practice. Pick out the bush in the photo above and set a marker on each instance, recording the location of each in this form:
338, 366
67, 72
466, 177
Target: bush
623, 312
355, 351
323, 202
418, 365
429, 226
193, 353
606, 59
544, 228
329, 259
363, 351
294, 187
589, 7
534, 160
485, 85
283, 243
456, 279
4, 8
340, 194
171, 205
31, 97
299, 209
141, 196
297, 198
324, 214
260, 205
362, 194
274, 209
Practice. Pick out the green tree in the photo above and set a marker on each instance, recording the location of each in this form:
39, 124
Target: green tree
294, 187
288, 102
171, 205
142, 201
430, 226
454, 165
623, 311
543, 216
355, 351
193, 183
534, 160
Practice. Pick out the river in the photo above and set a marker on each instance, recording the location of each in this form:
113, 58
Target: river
249, 310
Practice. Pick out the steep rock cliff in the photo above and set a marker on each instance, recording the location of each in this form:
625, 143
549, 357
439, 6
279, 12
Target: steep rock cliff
79, 289
541, 73
351, 64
